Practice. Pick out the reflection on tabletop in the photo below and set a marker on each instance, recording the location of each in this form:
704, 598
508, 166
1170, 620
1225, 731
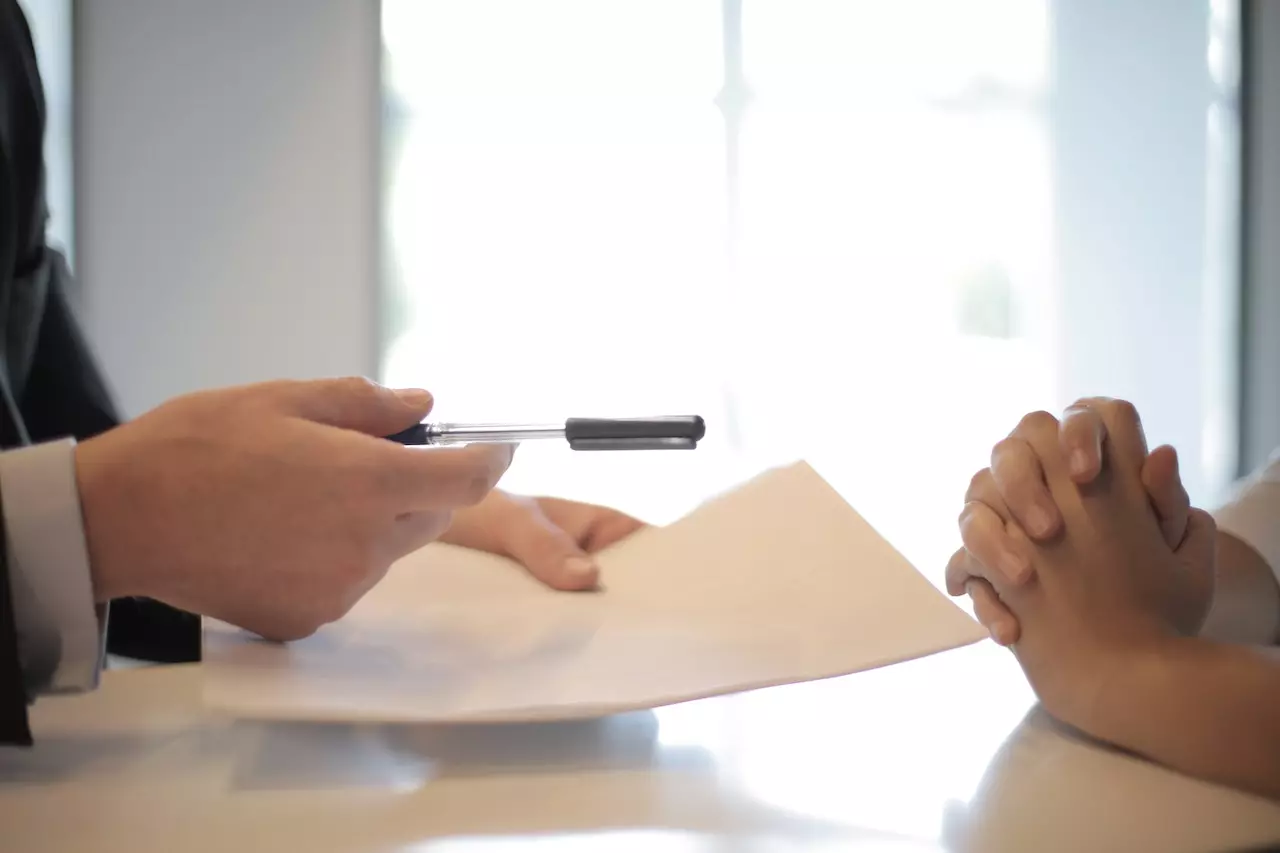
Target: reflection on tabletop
935, 754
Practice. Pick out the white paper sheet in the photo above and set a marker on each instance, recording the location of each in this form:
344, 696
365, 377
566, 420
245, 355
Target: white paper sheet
776, 582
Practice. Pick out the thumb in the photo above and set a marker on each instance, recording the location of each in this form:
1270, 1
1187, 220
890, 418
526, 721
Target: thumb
1168, 497
356, 403
1197, 555
1201, 540
549, 553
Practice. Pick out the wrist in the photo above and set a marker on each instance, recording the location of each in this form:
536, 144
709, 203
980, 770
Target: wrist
1081, 683
110, 571
1119, 699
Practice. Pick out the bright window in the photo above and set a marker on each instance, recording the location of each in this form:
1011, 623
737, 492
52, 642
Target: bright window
838, 230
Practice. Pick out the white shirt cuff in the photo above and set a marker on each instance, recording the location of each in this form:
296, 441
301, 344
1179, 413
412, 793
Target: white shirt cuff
1253, 513
60, 631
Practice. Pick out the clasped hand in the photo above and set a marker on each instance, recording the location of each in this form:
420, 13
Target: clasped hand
1081, 549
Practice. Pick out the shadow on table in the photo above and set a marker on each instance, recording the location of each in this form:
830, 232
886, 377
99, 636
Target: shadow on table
56, 759
307, 756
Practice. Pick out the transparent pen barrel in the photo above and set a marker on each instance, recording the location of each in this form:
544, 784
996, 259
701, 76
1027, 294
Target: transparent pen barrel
445, 434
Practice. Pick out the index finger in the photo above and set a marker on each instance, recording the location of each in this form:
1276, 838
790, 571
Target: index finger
1019, 476
442, 478
1081, 436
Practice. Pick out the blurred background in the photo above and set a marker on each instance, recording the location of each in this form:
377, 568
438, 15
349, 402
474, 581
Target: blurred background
868, 234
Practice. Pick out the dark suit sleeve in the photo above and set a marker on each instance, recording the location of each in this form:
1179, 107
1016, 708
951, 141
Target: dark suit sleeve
66, 395
13, 695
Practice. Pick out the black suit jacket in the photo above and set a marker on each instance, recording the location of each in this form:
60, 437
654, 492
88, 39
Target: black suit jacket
50, 386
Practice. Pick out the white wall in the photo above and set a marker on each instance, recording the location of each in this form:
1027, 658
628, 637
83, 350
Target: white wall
1261, 432
1146, 309
227, 190
50, 22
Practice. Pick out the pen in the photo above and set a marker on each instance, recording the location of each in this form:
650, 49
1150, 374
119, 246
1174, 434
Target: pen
667, 433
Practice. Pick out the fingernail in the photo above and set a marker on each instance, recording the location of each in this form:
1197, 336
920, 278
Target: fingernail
415, 397
1013, 567
581, 568
994, 633
1039, 521
1079, 463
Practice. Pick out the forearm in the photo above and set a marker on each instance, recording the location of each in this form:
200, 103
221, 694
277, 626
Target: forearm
1246, 599
1204, 708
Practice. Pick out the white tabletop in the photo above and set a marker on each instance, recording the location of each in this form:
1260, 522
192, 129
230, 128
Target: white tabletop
936, 754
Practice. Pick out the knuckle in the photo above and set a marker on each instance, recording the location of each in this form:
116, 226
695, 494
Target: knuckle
1036, 423
1124, 410
958, 572
1087, 405
478, 487
497, 463
422, 528
358, 386
280, 386
1005, 446
1010, 455
439, 523
474, 474
1079, 424
970, 522
270, 390
976, 540
979, 484
499, 460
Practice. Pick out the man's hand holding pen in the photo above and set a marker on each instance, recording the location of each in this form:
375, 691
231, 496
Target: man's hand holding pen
276, 506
